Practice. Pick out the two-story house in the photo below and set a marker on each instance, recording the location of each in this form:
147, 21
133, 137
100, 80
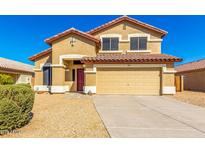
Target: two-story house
120, 57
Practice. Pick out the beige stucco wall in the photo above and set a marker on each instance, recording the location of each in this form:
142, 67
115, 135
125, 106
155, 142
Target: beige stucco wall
90, 76
42, 60
82, 46
194, 80
58, 76
170, 66
38, 78
168, 79
39, 72
154, 46
90, 79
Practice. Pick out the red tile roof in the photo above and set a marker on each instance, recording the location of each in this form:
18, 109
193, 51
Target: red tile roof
72, 31
38, 55
131, 58
15, 66
126, 18
197, 65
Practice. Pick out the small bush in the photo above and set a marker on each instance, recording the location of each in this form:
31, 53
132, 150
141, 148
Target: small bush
24, 84
6, 79
16, 103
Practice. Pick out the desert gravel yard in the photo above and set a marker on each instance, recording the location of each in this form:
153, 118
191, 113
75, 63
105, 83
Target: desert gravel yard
191, 97
63, 115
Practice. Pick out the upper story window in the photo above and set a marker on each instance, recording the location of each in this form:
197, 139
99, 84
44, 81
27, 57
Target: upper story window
110, 43
138, 43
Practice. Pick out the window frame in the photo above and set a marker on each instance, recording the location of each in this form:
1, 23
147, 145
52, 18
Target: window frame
110, 43
138, 43
49, 78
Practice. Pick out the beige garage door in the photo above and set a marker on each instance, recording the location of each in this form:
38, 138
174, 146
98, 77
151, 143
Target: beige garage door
141, 81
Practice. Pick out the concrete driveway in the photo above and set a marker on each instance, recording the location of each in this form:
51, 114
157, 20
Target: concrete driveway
149, 116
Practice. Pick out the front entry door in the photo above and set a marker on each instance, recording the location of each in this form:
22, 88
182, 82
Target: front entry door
80, 79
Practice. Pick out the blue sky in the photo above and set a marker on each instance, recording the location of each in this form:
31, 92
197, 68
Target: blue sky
23, 36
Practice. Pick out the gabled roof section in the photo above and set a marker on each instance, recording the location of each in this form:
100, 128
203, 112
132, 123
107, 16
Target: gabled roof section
128, 19
192, 66
38, 55
71, 31
15, 66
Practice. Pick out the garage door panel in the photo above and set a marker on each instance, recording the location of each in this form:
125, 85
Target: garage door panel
143, 81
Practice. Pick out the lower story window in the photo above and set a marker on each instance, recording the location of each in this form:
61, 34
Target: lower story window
47, 74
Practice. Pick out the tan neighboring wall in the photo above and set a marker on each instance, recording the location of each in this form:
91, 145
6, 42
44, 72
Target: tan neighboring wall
126, 28
19, 77
194, 80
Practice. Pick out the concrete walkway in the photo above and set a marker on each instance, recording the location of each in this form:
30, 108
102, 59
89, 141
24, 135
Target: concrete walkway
149, 116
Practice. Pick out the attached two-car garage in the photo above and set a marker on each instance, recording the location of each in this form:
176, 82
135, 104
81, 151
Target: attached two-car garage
141, 81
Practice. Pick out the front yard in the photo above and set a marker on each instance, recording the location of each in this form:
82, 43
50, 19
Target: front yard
63, 115
195, 98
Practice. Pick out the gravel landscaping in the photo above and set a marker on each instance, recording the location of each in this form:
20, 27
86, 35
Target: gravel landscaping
191, 97
63, 115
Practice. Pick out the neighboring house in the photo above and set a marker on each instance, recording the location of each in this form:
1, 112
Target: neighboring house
21, 73
120, 57
193, 74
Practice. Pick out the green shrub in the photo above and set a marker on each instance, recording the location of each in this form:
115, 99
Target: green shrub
6, 79
16, 103
24, 84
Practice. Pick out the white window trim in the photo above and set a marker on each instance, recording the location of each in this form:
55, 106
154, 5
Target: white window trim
131, 35
110, 35
143, 35
138, 35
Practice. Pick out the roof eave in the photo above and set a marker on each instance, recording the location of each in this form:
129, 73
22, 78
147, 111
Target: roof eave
125, 18
71, 31
38, 55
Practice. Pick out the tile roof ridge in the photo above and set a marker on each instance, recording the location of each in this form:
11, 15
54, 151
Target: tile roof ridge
17, 61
